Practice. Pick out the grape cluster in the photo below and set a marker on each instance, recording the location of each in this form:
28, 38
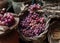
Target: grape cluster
33, 25
34, 7
6, 19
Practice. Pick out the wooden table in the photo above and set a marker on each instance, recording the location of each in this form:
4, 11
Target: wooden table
11, 38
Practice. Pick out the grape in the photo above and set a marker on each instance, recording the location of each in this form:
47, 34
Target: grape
38, 6
31, 11
9, 20
35, 31
37, 20
42, 20
3, 22
2, 19
6, 20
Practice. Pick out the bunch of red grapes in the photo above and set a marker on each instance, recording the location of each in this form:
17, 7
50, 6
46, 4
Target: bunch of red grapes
6, 19
34, 7
33, 25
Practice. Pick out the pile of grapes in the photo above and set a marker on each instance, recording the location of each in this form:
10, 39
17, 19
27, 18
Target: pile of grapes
33, 25
6, 19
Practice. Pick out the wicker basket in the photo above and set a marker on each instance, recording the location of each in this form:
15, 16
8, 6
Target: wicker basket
54, 30
36, 39
13, 27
